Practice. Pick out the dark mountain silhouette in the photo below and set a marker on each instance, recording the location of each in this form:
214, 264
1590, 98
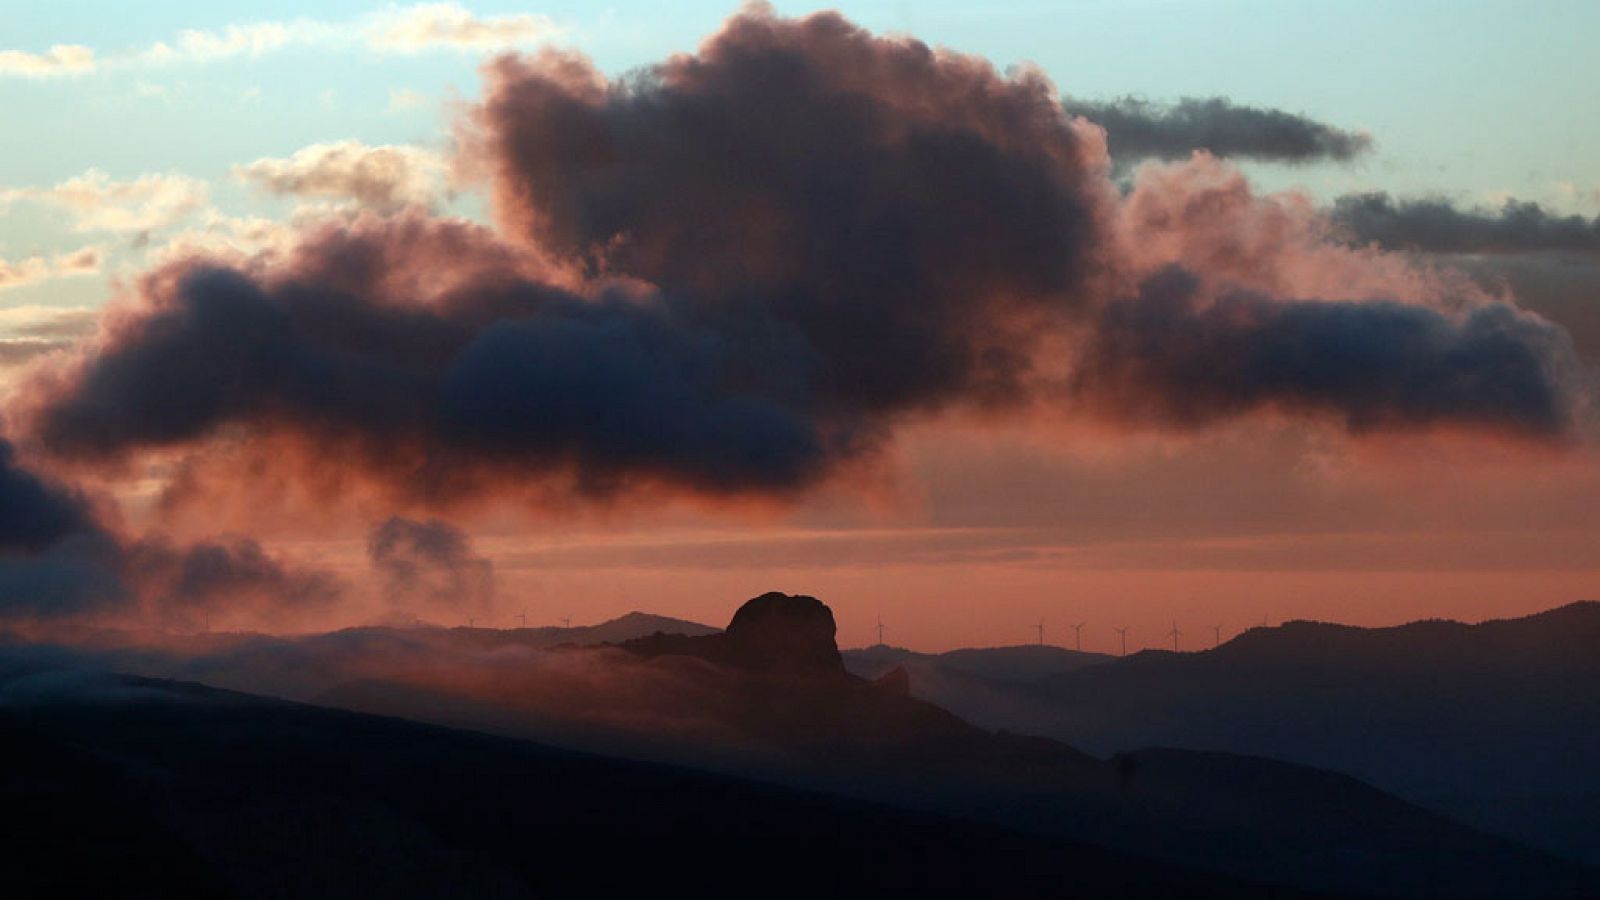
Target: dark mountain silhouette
770, 698
131, 787
1496, 722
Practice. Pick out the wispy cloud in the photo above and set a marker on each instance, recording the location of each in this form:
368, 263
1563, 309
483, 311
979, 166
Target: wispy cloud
411, 29
429, 25
34, 269
61, 59
404, 99
382, 178
98, 202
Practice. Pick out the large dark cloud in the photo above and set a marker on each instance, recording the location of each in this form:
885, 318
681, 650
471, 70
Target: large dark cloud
188, 585
1175, 355
57, 560
35, 513
54, 557
1436, 225
522, 375
1141, 129
736, 272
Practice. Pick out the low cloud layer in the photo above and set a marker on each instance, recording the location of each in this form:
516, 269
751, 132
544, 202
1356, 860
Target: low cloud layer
1435, 225
1141, 129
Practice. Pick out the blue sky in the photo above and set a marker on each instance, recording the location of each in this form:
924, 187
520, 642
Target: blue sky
1462, 97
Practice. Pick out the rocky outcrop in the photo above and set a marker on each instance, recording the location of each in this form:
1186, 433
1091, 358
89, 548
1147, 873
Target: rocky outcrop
788, 634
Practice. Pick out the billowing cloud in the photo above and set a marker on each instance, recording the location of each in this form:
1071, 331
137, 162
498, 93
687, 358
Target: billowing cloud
98, 202
1141, 129
383, 178
61, 59
429, 566
1436, 225
739, 272
34, 269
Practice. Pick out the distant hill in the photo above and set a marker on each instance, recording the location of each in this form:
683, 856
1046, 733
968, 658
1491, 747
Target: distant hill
984, 686
612, 631
129, 787
1021, 663
1498, 722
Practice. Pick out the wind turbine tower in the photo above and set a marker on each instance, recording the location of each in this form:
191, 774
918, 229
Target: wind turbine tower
1040, 628
524, 617
1123, 634
1218, 630
1175, 635
1077, 631
566, 621
880, 631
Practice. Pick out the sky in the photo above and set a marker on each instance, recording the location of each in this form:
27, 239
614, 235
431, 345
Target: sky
328, 313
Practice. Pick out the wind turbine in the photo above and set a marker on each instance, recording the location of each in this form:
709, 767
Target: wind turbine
1218, 630
524, 617
1175, 635
471, 622
1123, 634
1077, 631
566, 621
880, 631
1040, 628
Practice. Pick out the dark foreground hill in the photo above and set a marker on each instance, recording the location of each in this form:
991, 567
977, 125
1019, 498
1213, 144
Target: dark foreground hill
131, 787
